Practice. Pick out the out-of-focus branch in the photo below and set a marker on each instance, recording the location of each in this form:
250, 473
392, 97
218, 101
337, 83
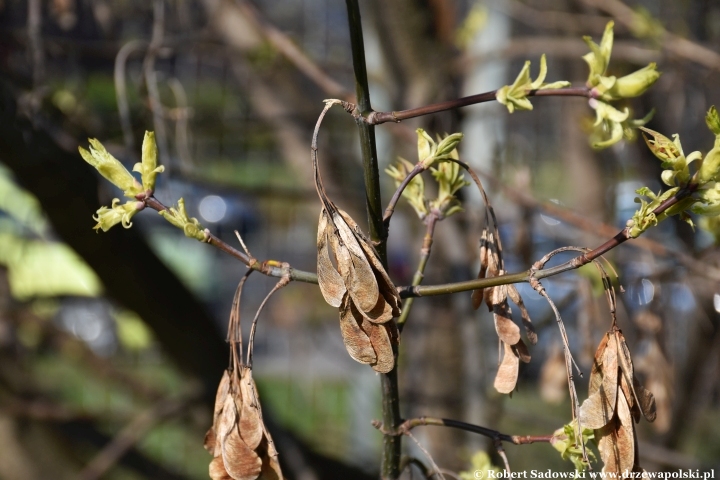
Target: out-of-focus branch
672, 43
295, 55
559, 47
602, 229
130, 435
151, 81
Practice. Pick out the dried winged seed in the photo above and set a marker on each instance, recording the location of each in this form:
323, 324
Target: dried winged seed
626, 439
598, 409
346, 233
624, 359
596, 371
380, 339
356, 340
527, 322
210, 441
522, 351
241, 462
385, 285
477, 295
506, 329
360, 287
217, 470
381, 313
607, 438
488, 293
211, 436
329, 279
363, 287
646, 401
250, 425
226, 422
507, 374
271, 469
630, 396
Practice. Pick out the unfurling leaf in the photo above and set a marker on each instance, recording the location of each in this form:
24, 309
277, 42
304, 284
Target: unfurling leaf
111, 168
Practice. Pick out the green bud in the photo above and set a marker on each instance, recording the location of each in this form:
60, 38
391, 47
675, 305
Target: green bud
148, 168
631, 85
426, 147
712, 119
109, 217
111, 168
190, 226
447, 145
599, 56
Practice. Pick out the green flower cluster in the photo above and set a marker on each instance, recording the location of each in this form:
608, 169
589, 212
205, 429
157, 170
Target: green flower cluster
515, 96
611, 124
111, 168
567, 442
705, 181
447, 174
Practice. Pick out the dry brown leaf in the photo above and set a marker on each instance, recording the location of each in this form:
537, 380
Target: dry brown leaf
241, 462
506, 329
527, 321
329, 279
507, 374
357, 342
382, 345
250, 424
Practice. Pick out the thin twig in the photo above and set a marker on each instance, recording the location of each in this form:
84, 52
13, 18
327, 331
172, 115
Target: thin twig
390, 209
377, 118
468, 427
427, 454
284, 280
430, 222
295, 55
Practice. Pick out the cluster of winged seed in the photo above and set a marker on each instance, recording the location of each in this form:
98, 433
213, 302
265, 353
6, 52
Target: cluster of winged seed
238, 439
359, 286
513, 347
615, 400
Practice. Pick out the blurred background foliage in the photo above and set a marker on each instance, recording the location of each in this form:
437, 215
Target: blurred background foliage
111, 345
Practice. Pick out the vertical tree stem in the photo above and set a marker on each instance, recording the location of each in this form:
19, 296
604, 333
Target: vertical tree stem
378, 233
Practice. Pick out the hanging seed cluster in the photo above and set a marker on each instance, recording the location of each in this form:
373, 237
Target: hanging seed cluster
513, 349
238, 440
358, 285
615, 403
353, 279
